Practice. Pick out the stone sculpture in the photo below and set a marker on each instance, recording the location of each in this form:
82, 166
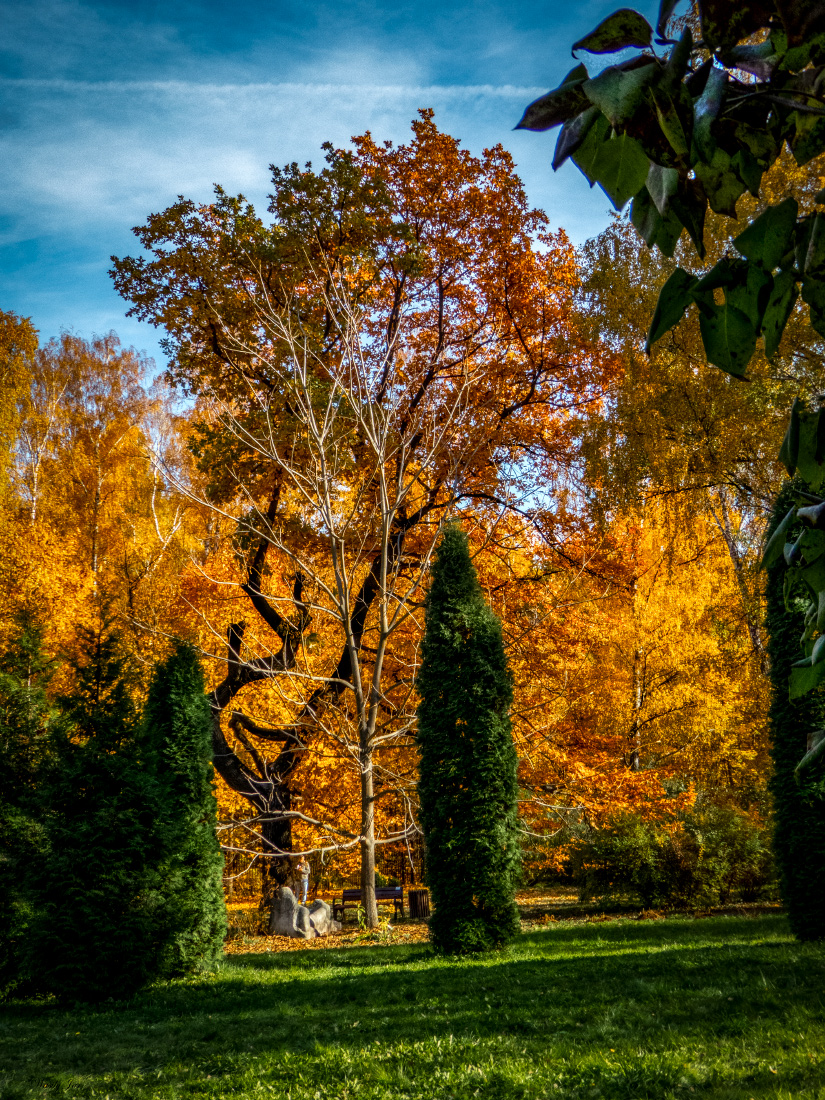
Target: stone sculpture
289, 918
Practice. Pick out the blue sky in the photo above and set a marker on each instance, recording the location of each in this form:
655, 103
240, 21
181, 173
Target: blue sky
108, 110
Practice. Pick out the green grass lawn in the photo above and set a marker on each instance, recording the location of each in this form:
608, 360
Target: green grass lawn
725, 1007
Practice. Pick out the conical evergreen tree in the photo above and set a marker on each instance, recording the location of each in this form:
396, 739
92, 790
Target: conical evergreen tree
28, 724
177, 731
98, 914
467, 785
798, 797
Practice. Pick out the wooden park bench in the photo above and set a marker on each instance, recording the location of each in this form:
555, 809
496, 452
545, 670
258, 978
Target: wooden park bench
351, 899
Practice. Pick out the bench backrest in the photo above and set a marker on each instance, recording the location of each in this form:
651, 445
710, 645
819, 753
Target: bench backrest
382, 893
386, 893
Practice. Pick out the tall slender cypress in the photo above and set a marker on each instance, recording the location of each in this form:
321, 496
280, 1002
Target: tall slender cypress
467, 785
799, 805
178, 746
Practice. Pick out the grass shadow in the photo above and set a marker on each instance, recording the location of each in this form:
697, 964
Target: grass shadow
586, 989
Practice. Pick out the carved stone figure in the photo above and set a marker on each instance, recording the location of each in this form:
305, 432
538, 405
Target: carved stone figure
289, 918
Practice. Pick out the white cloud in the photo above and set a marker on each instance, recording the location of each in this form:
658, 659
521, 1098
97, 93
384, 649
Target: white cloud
112, 152
110, 110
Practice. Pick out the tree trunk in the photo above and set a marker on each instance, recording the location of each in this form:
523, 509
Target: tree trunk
277, 836
750, 603
638, 699
368, 837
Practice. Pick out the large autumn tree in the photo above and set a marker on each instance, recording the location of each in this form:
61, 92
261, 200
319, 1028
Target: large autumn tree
398, 343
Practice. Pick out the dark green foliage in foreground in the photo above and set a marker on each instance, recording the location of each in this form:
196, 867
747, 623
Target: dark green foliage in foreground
678, 135
177, 724
467, 779
726, 1008
97, 913
126, 886
798, 794
710, 856
27, 727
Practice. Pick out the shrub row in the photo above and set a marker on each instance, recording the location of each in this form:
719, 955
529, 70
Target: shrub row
710, 856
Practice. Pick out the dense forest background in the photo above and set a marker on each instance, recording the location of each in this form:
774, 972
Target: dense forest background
615, 502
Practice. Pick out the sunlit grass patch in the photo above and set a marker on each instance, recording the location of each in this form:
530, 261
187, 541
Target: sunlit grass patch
725, 1007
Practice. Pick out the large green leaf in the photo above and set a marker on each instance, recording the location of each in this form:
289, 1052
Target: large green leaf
726, 273
770, 236
816, 743
813, 292
674, 298
618, 92
690, 206
621, 168
644, 217
572, 134
555, 107
760, 143
780, 304
814, 514
752, 295
651, 226
759, 60
748, 169
676, 67
792, 553
810, 460
815, 254
705, 111
805, 134
812, 544
813, 578
729, 338
661, 184
776, 543
674, 111
721, 184
804, 680
623, 28
802, 238
587, 154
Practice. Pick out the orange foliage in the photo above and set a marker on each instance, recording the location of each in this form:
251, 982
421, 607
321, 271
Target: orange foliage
634, 682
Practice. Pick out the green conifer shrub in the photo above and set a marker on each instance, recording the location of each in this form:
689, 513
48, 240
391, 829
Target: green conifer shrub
798, 796
467, 781
97, 923
27, 726
178, 746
